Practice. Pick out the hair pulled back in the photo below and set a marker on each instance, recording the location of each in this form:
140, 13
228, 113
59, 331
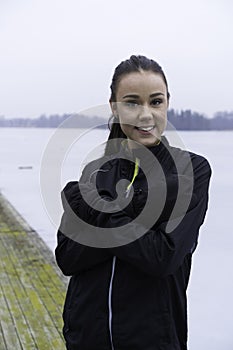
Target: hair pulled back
133, 64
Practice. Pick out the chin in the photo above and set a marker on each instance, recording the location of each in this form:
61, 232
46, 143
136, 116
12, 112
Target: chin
149, 143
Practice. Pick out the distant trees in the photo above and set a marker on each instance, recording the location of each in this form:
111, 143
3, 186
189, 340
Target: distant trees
41, 122
188, 120
181, 120
53, 121
222, 121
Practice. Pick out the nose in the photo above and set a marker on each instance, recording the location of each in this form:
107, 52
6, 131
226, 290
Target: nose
145, 114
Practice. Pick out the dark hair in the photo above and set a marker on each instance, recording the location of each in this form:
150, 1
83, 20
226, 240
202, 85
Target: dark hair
131, 65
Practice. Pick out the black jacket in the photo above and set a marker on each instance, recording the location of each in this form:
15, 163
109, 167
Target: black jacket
133, 296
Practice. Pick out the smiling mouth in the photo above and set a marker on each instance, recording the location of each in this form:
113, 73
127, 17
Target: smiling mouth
145, 128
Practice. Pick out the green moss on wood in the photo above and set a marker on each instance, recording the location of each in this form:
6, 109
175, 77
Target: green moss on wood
32, 290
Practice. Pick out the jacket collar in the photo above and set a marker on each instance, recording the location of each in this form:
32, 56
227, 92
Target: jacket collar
146, 162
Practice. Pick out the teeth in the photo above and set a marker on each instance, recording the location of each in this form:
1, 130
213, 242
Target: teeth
148, 128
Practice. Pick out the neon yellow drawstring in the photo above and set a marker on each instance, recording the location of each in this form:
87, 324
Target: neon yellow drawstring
136, 170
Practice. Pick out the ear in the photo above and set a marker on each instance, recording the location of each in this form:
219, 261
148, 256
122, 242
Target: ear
113, 106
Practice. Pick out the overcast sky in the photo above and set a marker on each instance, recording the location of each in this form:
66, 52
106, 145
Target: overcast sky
58, 56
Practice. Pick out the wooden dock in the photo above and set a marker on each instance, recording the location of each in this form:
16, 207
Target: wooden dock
32, 289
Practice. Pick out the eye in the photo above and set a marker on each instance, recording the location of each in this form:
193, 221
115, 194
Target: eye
131, 104
156, 101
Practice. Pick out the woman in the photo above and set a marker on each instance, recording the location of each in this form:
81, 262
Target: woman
130, 293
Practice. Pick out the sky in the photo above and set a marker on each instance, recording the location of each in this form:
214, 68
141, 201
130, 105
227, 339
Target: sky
58, 56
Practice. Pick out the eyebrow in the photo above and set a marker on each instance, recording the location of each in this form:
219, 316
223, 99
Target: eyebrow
136, 96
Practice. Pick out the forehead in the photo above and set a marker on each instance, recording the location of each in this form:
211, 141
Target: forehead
144, 82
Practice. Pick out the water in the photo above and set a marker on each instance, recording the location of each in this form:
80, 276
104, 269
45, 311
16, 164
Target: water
211, 285
21, 154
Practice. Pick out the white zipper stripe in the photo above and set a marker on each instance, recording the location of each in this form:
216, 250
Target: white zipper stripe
110, 301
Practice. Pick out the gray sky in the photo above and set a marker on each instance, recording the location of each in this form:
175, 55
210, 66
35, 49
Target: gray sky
58, 56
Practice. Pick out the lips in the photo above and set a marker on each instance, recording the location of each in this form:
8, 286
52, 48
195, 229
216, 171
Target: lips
145, 128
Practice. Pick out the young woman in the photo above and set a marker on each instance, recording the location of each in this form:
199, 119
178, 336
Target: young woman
129, 281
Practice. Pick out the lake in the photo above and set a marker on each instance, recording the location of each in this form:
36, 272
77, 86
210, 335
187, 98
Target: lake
37, 162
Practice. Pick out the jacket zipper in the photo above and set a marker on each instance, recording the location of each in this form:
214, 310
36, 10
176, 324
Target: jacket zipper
110, 301
136, 170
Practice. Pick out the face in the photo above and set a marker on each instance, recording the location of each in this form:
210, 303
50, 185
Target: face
141, 105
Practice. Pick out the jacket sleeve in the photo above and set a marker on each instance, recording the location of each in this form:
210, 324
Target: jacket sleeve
160, 253
73, 257
157, 252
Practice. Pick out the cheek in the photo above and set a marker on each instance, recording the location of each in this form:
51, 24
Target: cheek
127, 129
128, 117
164, 125
164, 119
161, 122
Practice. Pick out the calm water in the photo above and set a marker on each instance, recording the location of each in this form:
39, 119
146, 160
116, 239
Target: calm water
211, 284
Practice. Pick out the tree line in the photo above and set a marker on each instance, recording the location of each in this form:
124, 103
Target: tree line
181, 120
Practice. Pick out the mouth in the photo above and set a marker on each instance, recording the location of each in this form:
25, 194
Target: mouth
145, 129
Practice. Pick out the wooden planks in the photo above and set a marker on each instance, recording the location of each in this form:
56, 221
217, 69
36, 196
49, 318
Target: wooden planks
32, 290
